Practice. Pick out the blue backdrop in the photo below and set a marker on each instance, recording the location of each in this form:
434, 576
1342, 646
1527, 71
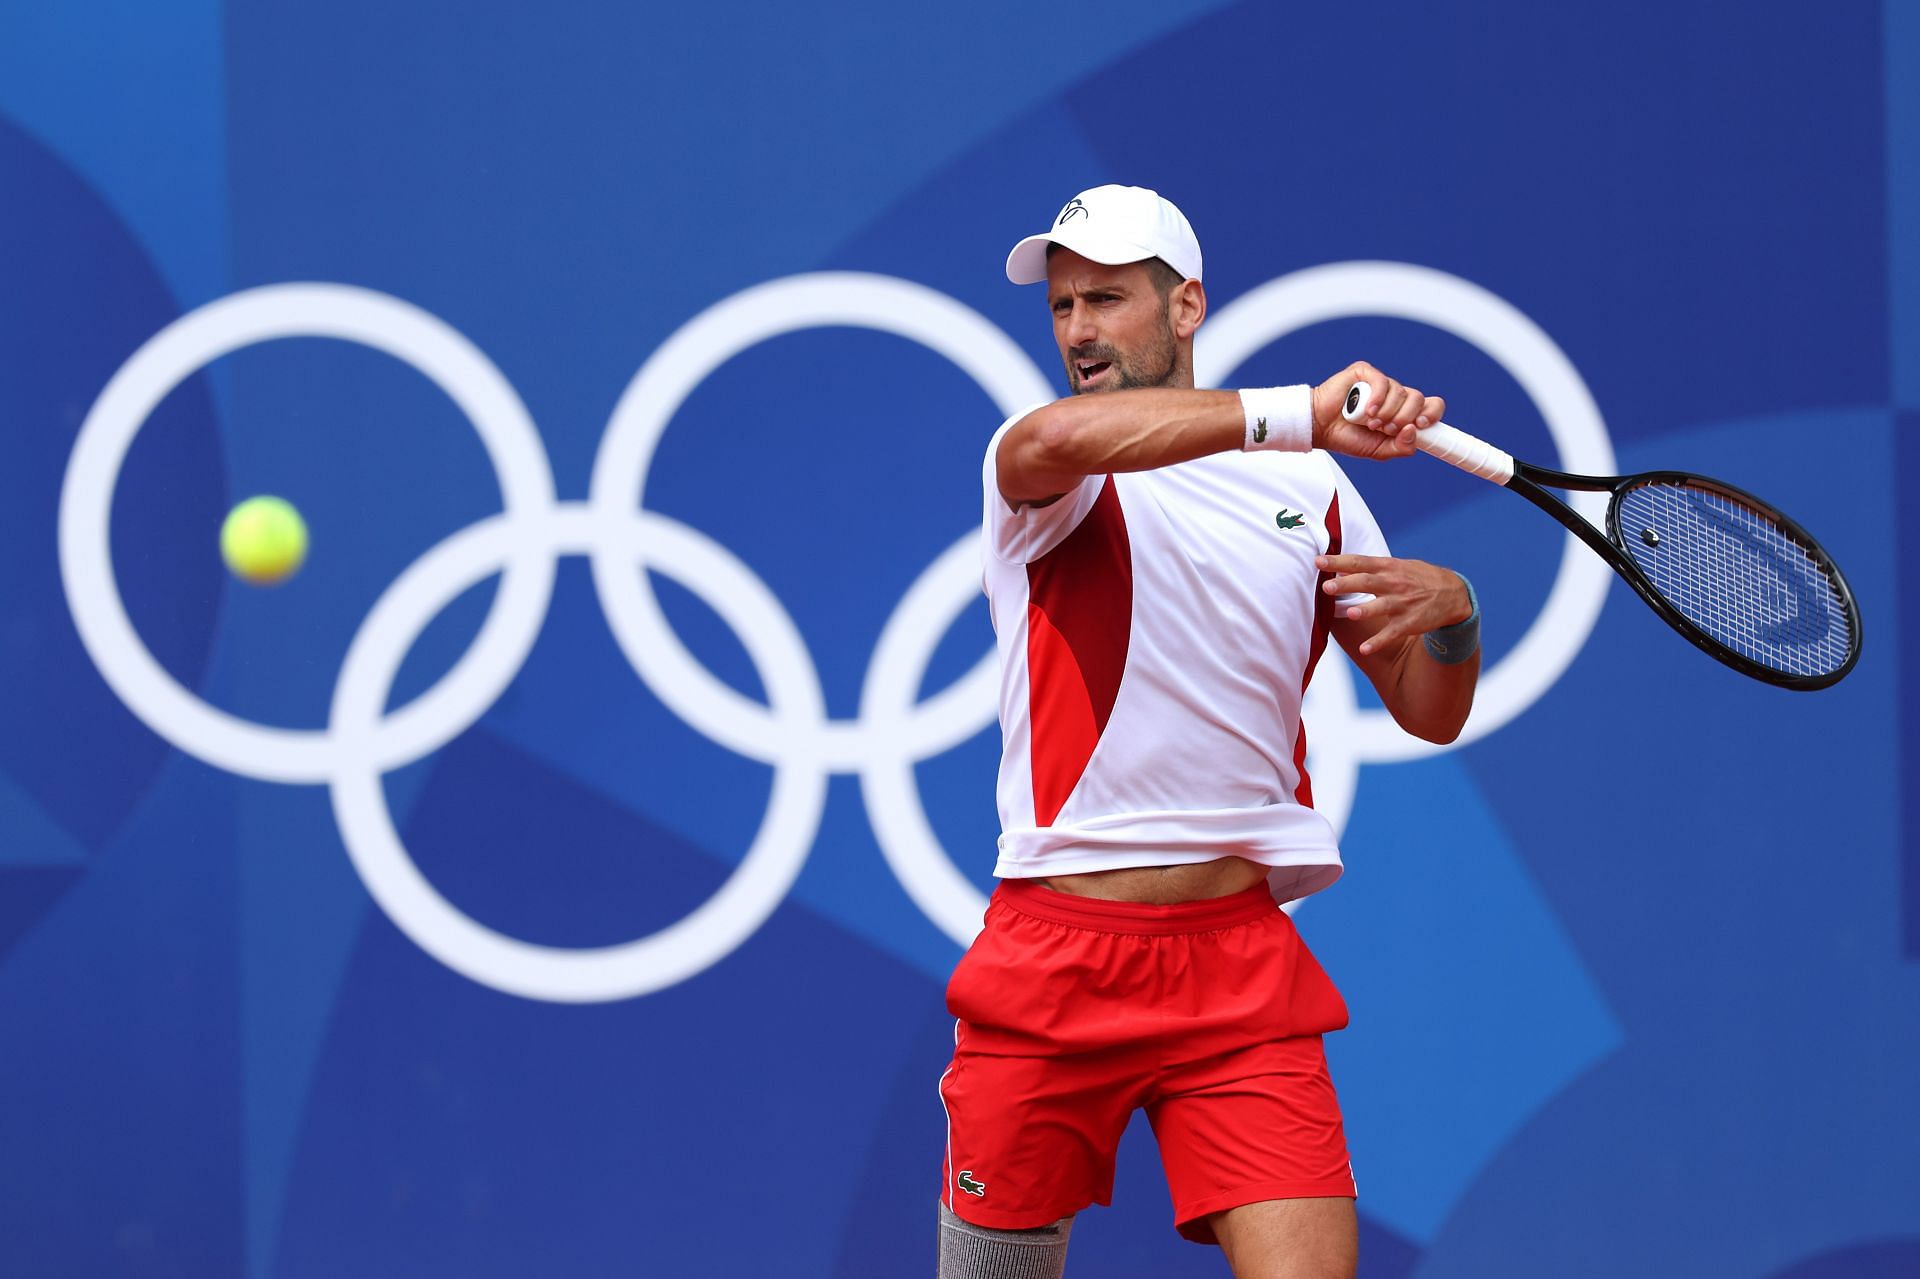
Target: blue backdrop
592, 918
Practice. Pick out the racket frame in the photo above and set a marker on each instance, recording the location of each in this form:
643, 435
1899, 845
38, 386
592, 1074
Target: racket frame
1527, 480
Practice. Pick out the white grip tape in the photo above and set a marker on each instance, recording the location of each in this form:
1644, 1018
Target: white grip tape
1448, 443
1467, 452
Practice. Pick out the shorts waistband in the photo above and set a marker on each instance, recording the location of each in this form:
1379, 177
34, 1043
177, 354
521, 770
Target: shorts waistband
1143, 918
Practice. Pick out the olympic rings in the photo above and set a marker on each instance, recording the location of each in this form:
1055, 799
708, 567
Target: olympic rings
894, 730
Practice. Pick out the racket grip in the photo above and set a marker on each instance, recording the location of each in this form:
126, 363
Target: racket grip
1456, 447
1448, 443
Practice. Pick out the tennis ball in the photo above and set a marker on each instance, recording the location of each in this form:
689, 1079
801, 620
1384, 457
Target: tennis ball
263, 540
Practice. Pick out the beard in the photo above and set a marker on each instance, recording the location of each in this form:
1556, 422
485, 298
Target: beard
1155, 364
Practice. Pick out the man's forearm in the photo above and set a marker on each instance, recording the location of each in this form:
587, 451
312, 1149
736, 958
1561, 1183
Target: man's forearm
1387, 638
1055, 446
1428, 698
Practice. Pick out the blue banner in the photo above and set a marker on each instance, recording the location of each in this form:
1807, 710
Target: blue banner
560, 873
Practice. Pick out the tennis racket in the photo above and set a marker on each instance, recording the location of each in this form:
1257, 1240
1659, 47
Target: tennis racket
1742, 581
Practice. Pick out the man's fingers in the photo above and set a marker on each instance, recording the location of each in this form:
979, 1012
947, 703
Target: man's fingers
1361, 371
1353, 584
1391, 406
1357, 563
1378, 387
1381, 638
1408, 596
1390, 401
1410, 408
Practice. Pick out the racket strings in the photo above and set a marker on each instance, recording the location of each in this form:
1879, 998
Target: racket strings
1737, 574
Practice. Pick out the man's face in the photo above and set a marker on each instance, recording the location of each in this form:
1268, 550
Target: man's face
1110, 323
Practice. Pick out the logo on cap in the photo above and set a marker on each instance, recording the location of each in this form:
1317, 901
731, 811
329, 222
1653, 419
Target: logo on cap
1074, 208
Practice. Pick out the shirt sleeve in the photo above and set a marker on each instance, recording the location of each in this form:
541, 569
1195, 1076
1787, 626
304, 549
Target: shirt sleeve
1022, 535
1359, 533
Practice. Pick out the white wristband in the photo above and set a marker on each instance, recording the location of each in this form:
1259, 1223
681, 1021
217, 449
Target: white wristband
1278, 417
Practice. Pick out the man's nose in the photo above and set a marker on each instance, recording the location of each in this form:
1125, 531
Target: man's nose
1080, 329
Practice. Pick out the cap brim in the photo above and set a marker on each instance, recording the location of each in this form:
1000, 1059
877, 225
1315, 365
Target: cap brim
1027, 264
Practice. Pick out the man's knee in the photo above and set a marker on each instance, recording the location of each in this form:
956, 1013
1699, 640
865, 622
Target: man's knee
968, 1251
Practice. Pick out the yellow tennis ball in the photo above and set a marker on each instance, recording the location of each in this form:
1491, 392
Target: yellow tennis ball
263, 540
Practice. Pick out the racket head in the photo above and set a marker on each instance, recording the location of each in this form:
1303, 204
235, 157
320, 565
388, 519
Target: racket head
1737, 577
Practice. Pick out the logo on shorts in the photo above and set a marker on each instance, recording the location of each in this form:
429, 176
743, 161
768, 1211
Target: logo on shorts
978, 1189
1287, 519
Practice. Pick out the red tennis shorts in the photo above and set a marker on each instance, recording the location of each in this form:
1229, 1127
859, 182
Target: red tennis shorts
1073, 1012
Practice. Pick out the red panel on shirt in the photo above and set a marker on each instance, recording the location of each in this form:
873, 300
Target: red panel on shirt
1322, 626
1079, 619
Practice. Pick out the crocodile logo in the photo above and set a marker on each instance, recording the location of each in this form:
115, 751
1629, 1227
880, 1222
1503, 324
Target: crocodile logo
1260, 430
978, 1189
1287, 519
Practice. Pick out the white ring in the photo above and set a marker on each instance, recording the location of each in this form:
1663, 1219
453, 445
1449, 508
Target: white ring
565, 974
887, 709
189, 344
825, 299
1402, 291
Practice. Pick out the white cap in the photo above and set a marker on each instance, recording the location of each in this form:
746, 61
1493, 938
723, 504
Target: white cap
1112, 225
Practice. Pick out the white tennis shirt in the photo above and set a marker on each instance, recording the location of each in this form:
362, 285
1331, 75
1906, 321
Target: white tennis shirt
1156, 633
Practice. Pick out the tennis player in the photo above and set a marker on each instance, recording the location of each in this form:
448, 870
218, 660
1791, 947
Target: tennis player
1165, 566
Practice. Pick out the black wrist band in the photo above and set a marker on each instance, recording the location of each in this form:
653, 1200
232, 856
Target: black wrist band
1451, 645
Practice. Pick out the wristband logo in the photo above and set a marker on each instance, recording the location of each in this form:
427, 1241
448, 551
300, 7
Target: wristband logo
894, 730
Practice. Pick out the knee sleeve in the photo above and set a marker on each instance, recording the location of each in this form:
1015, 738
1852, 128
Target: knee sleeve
968, 1251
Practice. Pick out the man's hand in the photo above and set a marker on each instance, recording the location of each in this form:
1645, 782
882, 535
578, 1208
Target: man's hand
1395, 413
1425, 697
1411, 597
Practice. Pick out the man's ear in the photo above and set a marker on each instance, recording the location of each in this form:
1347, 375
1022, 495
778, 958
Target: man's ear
1187, 306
